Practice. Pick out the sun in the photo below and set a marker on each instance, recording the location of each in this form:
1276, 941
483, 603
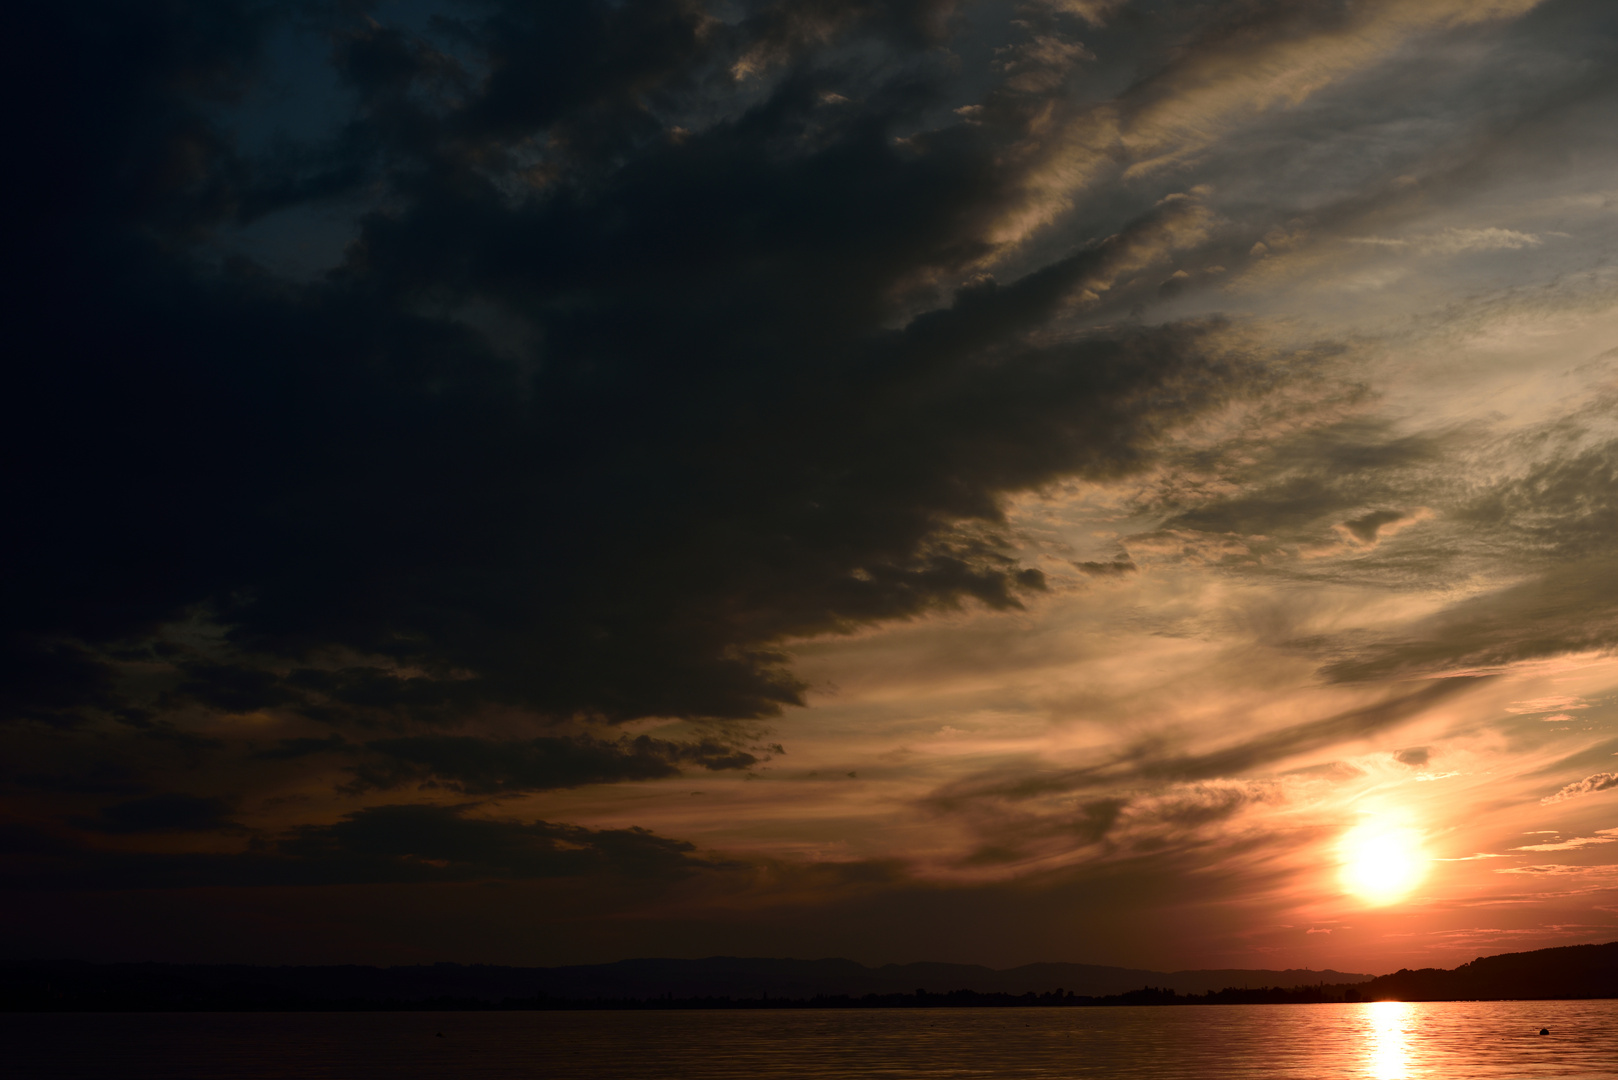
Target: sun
1382, 863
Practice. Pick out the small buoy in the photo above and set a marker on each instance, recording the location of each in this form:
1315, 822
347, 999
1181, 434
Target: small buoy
1544, 1031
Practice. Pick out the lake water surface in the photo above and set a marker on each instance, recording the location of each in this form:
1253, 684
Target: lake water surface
1379, 1041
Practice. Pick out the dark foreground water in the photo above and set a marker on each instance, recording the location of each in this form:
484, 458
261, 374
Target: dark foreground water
1381, 1041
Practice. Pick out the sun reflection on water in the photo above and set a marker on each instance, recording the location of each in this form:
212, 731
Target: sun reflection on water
1387, 1052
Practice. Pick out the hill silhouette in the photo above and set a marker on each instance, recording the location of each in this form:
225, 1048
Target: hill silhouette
1571, 971
715, 978
1577, 971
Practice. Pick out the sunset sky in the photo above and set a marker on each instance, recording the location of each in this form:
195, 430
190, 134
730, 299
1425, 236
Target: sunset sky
1116, 481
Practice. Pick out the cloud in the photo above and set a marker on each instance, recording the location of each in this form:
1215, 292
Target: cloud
93, 778
485, 766
1327, 480
1588, 786
402, 837
1194, 824
1116, 568
292, 749
1149, 764
1554, 703
1565, 504
1594, 754
1094, 12
1603, 836
1456, 241
1366, 528
233, 688
1369, 529
1227, 68
479, 464
52, 681
376, 845
429, 402
1570, 608
164, 813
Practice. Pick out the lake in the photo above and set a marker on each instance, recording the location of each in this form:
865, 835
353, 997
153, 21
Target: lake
1377, 1041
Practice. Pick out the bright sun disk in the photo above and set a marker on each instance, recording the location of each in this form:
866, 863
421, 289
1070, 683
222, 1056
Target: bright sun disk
1382, 863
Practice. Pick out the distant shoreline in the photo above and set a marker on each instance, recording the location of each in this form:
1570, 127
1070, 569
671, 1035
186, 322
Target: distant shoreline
1576, 972
951, 1001
1147, 996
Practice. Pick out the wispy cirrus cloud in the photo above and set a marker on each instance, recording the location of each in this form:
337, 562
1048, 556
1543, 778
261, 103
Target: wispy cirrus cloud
1455, 241
1602, 836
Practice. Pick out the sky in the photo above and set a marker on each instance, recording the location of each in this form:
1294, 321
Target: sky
1116, 481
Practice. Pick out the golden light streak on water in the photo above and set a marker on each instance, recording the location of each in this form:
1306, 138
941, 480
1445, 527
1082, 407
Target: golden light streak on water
1387, 1040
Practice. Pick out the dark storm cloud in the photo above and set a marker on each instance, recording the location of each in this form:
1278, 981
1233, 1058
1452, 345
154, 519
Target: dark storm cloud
486, 766
170, 812
50, 681
710, 434
380, 844
291, 749
403, 835
102, 778
232, 688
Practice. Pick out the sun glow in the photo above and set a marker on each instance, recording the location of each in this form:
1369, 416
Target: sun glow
1382, 863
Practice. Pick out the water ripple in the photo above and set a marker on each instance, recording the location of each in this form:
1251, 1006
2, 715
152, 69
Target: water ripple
1379, 1041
